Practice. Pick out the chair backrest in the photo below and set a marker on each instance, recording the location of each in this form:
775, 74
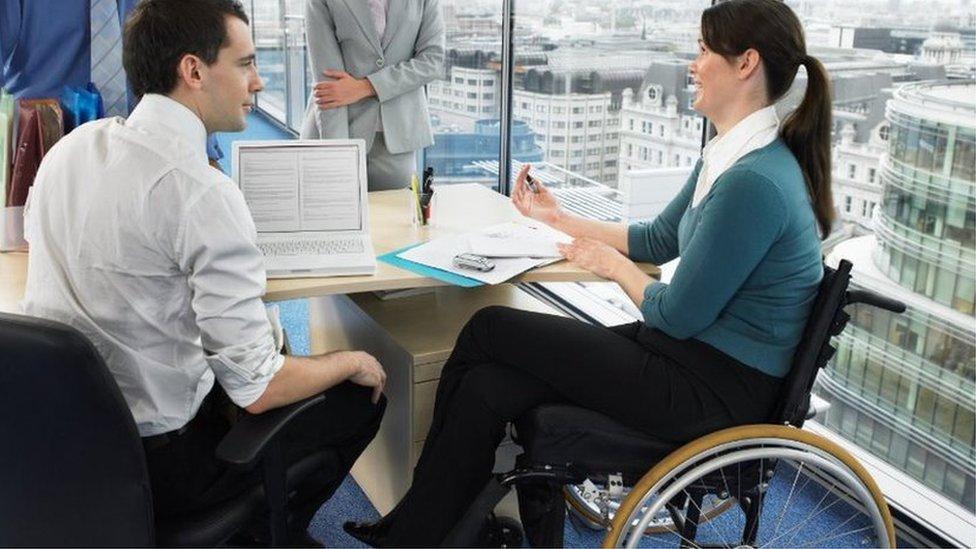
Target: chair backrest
72, 467
827, 319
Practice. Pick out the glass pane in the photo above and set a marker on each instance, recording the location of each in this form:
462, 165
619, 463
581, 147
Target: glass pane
911, 133
605, 90
465, 102
267, 24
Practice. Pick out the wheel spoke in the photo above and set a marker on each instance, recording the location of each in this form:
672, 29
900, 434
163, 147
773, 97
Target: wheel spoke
789, 497
701, 515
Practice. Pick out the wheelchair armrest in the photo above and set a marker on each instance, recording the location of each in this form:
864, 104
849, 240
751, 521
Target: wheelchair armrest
241, 448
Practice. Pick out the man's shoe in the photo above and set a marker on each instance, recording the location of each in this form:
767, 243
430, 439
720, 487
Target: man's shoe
370, 533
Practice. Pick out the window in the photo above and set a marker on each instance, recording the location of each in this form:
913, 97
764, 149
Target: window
871, 175
851, 171
577, 125
847, 204
577, 110
472, 82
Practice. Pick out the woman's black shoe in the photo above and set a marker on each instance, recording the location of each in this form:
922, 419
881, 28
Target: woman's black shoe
370, 533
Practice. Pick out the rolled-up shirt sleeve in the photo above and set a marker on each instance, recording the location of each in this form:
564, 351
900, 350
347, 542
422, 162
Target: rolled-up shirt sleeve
227, 278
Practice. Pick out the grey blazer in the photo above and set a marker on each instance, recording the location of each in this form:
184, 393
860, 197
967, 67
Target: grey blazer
341, 35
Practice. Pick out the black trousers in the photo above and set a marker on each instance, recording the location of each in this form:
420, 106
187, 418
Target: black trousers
186, 477
507, 362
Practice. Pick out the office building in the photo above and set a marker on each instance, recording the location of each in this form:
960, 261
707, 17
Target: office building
658, 126
457, 157
856, 183
575, 115
902, 386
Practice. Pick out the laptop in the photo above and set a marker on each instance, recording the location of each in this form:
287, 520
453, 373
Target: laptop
308, 202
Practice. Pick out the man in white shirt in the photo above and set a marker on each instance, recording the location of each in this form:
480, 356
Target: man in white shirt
139, 243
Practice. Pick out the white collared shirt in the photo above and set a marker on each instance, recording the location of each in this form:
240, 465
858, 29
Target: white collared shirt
136, 241
752, 132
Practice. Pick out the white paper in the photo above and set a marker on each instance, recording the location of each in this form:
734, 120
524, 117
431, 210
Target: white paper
440, 253
517, 240
302, 189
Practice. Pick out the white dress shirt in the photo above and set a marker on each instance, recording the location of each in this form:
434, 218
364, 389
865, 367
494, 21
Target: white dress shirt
136, 241
752, 132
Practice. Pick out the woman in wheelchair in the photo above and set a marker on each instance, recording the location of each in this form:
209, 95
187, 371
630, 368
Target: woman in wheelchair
715, 343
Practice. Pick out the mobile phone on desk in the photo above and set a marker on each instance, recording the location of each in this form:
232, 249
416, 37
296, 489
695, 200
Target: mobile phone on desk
473, 262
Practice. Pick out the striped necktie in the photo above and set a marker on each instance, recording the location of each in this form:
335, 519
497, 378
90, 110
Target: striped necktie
106, 56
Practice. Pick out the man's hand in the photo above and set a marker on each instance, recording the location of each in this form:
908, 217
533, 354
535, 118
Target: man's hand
368, 372
594, 256
342, 90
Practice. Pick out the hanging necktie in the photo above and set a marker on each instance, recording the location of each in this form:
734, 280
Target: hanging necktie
106, 56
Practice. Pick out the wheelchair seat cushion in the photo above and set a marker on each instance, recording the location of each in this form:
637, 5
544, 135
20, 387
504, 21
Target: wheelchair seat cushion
558, 434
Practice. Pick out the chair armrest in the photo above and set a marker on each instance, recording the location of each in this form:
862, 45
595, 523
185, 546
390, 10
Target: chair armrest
242, 446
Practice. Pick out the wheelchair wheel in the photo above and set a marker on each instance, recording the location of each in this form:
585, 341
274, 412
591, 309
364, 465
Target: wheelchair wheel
792, 488
581, 502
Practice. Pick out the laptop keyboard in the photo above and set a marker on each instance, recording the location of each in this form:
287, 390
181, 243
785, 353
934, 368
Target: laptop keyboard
312, 247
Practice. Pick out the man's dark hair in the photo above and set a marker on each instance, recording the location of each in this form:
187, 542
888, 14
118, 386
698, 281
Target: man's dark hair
160, 32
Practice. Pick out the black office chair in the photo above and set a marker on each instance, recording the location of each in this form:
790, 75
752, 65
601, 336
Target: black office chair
72, 467
635, 485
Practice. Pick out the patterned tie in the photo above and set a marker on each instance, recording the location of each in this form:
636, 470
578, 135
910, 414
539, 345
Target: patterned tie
378, 9
106, 56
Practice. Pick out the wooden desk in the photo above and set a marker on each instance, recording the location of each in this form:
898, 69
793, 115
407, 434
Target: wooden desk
466, 207
470, 206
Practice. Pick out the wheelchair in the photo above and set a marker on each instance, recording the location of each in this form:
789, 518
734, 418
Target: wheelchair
758, 485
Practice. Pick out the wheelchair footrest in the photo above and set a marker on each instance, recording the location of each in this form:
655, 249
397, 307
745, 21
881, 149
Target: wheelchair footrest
554, 474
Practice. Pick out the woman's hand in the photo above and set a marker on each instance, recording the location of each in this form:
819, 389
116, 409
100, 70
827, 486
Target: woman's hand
594, 256
541, 206
343, 90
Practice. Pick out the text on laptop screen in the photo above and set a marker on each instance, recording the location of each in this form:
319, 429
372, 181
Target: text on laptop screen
302, 188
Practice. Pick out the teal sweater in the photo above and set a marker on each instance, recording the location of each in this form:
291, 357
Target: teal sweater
750, 261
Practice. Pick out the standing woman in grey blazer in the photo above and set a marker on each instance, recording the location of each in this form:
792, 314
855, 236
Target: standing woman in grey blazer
371, 59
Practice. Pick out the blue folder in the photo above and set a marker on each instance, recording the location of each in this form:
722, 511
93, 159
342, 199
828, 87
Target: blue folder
424, 270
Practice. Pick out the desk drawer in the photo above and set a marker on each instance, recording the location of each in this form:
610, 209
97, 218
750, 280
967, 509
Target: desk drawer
423, 408
427, 372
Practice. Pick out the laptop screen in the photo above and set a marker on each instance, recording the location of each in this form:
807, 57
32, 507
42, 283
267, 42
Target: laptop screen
301, 186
